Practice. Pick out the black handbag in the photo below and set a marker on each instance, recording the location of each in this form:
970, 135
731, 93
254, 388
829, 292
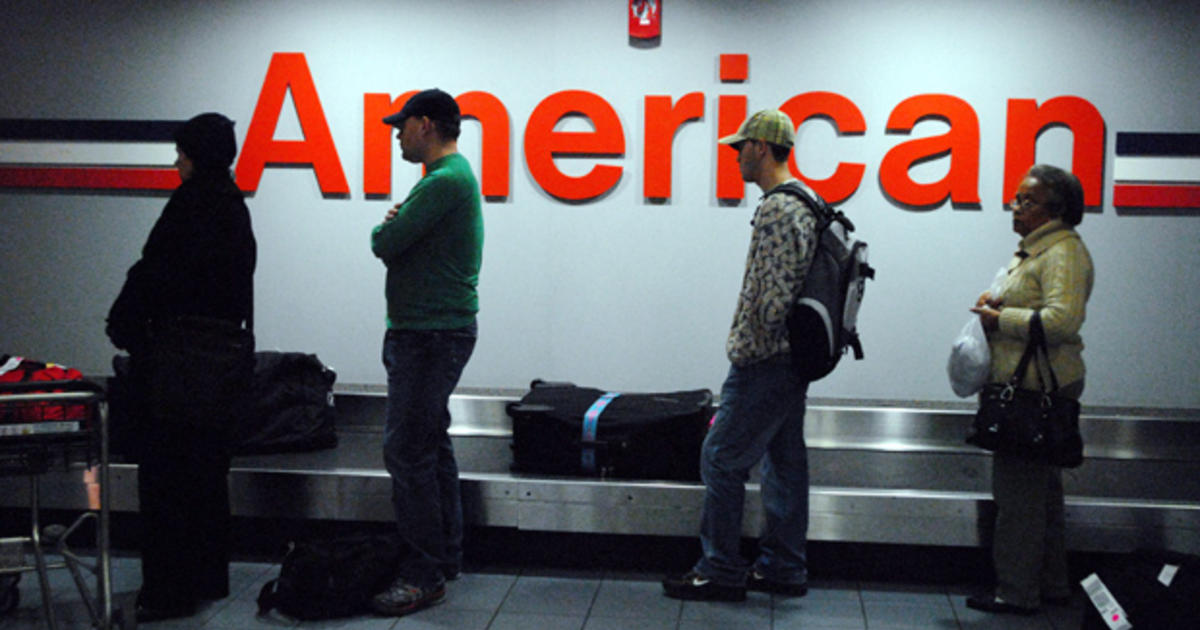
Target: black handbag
1036, 425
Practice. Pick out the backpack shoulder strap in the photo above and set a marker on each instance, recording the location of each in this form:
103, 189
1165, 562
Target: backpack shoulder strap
804, 194
825, 213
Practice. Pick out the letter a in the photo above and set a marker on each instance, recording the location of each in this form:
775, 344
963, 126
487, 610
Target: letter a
290, 70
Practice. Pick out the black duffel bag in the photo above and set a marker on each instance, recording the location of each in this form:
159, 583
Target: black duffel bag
329, 579
562, 429
292, 406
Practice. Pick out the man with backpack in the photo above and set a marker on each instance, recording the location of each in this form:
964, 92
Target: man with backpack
763, 399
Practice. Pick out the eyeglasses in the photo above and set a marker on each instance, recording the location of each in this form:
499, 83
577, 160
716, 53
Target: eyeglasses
1024, 202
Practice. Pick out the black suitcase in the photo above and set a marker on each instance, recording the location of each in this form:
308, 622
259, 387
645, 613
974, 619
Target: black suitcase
1156, 588
562, 429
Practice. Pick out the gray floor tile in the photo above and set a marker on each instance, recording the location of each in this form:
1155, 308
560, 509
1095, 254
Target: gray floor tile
723, 624
615, 623
891, 615
634, 599
837, 609
551, 596
443, 618
70, 616
908, 594
245, 576
126, 574
833, 590
570, 574
359, 622
755, 612
69, 609
529, 621
478, 591
242, 614
249, 591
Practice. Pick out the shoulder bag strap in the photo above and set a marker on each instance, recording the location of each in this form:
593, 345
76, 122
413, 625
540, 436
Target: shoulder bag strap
1031, 348
1037, 334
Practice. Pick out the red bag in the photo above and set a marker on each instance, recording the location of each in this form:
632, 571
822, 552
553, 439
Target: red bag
20, 370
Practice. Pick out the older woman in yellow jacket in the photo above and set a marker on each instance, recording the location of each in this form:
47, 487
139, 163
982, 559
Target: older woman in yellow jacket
1051, 274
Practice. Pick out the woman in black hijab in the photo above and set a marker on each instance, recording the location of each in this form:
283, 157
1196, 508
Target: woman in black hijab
180, 315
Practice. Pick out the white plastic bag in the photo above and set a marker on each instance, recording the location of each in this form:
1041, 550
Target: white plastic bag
970, 358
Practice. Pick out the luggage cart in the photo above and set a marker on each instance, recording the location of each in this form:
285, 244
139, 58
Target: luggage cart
54, 424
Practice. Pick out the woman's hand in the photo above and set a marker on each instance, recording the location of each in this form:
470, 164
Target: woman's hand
987, 300
988, 310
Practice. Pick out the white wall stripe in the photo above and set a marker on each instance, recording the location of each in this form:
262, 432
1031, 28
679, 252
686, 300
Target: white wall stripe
38, 153
1156, 169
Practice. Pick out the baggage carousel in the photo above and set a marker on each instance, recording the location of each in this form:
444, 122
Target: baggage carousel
881, 472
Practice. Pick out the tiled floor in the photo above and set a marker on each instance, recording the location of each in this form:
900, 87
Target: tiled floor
530, 599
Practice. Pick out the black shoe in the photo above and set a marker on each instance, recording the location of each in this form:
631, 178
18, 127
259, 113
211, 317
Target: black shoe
402, 598
696, 587
755, 581
993, 604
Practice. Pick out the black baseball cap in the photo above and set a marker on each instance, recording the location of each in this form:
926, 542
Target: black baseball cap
434, 103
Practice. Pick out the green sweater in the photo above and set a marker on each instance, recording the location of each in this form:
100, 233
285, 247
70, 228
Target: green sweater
433, 249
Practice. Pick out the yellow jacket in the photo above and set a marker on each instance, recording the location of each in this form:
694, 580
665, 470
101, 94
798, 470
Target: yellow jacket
1052, 274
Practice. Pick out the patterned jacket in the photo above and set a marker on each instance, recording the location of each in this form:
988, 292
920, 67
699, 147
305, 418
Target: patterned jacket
781, 251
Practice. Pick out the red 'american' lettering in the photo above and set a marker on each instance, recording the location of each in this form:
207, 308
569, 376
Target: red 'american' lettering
664, 117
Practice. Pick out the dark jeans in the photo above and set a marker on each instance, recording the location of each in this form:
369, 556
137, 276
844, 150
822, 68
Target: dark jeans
423, 368
761, 417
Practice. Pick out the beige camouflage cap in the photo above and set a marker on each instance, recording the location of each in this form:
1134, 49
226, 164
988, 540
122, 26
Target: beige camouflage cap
770, 125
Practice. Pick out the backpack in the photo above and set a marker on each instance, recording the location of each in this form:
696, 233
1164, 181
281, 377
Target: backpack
822, 323
334, 578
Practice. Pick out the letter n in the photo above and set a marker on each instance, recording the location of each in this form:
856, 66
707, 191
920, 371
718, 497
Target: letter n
1026, 121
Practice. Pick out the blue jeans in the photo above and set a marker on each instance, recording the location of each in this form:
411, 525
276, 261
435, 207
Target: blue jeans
761, 417
423, 368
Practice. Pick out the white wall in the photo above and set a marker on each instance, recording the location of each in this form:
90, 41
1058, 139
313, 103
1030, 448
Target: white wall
617, 292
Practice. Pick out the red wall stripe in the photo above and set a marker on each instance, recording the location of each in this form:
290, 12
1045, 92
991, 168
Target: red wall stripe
93, 178
1131, 195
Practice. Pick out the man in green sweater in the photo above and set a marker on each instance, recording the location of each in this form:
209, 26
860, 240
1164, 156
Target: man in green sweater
432, 246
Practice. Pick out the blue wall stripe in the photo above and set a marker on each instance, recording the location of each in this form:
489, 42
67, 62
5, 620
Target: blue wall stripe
99, 130
1147, 144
